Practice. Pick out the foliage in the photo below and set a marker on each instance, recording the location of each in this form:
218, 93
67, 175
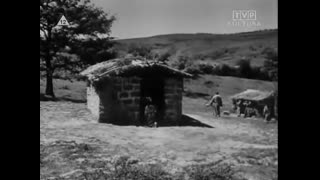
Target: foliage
124, 167
225, 70
271, 64
164, 57
206, 68
121, 167
182, 62
245, 69
211, 171
85, 41
140, 50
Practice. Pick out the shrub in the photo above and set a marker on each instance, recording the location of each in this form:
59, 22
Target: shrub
193, 69
206, 68
271, 63
199, 56
218, 53
126, 168
164, 57
182, 62
225, 70
142, 50
211, 171
245, 69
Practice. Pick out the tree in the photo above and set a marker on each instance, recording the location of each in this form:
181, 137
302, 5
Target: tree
271, 64
245, 69
164, 57
182, 62
87, 36
271, 67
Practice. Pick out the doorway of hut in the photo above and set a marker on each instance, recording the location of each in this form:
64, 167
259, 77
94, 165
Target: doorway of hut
152, 88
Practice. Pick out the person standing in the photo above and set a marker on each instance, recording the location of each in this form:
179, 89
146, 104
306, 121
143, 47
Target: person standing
150, 112
216, 103
266, 113
247, 105
241, 107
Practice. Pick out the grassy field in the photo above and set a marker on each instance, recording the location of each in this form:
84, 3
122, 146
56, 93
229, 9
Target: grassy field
73, 145
212, 48
198, 90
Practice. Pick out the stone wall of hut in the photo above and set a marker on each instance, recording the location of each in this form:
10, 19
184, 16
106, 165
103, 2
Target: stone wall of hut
116, 100
127, 92
173, 88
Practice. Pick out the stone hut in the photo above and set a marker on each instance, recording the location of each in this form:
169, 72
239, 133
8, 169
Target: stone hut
117, 88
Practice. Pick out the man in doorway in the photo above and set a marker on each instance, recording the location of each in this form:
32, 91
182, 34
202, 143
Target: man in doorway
216, 103
150, 113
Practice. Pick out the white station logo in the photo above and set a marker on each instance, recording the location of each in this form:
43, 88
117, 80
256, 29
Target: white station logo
63, 22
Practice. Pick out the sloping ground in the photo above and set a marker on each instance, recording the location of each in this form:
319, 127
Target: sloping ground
200, 89
231, 139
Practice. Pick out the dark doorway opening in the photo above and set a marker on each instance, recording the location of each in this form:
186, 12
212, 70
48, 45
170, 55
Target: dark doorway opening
153, 88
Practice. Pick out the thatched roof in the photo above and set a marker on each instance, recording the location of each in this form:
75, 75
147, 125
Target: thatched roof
253, 95
130, 66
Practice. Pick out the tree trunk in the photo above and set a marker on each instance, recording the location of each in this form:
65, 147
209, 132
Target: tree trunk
49, 84
276, 105
49, 69
49, 74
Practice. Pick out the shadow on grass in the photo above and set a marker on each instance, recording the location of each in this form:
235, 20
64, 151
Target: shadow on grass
189, 121
64, 98
185, 121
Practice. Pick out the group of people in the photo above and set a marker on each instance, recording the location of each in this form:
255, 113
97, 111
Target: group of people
245, 107
242, 106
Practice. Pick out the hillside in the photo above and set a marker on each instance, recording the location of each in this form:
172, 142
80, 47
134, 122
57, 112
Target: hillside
212, 48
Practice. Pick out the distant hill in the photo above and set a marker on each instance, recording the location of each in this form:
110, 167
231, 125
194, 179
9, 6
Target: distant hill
212, 48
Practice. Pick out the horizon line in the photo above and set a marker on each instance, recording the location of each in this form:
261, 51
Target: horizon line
272, 29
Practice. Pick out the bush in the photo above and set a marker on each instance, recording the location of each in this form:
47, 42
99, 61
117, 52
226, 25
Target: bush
205, 68
142, 50
199, 56
245, 69
164, 57
218, 53
225, 70
126, 168
211, 171
182, 62
271, 63
193, 69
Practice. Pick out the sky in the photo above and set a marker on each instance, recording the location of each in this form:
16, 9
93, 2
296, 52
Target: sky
142, 18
